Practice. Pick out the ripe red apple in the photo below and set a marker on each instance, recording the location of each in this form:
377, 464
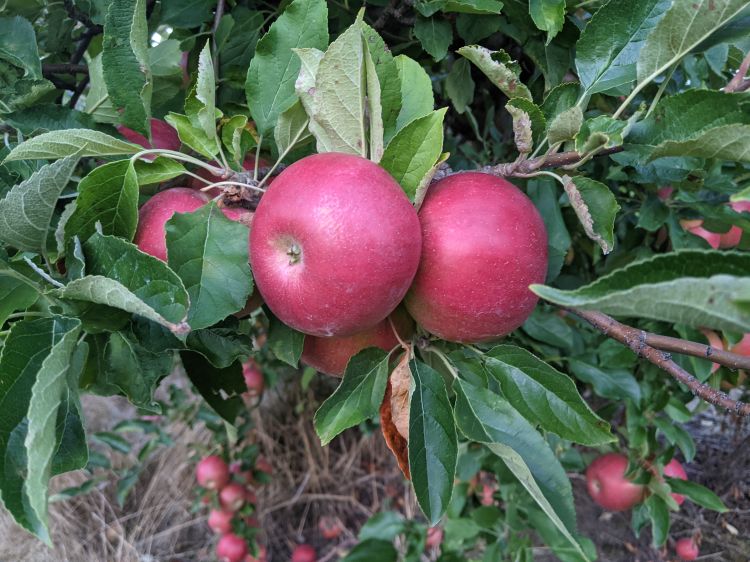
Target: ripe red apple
488, 494
331, 355
220, 521
687, 549
434, 538
232, 496
728, 239
607, 485
212, 473
163, 135
304, 553
330, 527
253, 378
484, 243
231, 548
151, 235
674, 469
335, 244
743, 346
262, 555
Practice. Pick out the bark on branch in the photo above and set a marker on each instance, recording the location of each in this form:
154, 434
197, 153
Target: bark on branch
522, 168
636, 340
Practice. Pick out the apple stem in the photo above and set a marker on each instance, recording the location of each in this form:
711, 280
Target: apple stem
644, 344
445, 360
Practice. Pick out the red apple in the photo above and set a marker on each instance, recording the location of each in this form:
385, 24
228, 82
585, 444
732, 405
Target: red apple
253, 378
686, 549
163, 135
484, 243
220, 521
232, 496
742, 347
434, 538
674, 469
212, 473
231, 548
330, 527
607, 485
335, 244
151, 235
331, 355
488, 494
665, 192
262, 555
304, 553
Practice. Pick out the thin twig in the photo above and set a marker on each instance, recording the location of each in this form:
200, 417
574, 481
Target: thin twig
64, 68
217, 20
737, 82
635, 340
685, 347
519, 168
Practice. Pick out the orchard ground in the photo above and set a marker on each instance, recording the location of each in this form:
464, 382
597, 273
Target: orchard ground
350, 479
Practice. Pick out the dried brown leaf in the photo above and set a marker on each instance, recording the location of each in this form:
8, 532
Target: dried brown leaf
395, 441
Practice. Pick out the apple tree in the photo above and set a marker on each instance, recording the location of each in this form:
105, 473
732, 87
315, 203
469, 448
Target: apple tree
517, 231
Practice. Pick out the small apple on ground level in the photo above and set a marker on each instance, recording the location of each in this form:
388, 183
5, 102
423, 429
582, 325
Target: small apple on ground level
232, 496
335, 245
608, 486
304, 553
151, 235
253, 378
231, 548
220, 521
330, 527
212, 473
484, 243
687, 549
674, 469
434, 538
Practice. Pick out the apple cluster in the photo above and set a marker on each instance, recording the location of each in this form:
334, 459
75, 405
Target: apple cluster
231, 495
609, 487
336, 246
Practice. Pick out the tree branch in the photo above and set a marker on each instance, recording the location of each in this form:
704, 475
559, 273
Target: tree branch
738, 80
685, 347
220, 5
636, 340
65, 68
524, 167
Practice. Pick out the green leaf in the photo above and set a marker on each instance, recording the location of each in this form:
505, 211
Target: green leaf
499, 68
608, 49
559, 99
414, 150
544, 193
14, 295
659, 515
488, 418
548, 15
697, 493
97, 102
27, 347
164, 59
41, 438
545, 396
59, 144
186, 13
676, 435
43, 118
475, 28
692, 287
703, 123
374, 105
616, 384
596, 208
193, 136
565, 125
27, 209
685, 25
125, 62
415, 85
18, 45
108, 195
274, 68
435, 34
210, 254
372, 549
600, 132
357, 398
459, 85
338, 120
237, 139
159, 170
473, 6
291, 128
220, 388
285, 342
433, 443
200, 106
518, 107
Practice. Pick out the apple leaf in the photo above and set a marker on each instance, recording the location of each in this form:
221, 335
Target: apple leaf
693, 287
548, 15
414, 150
108, 195
565, 125
192, 136
357, 398
26, 210
237, 138
15, 295
158, 170
545, 396
291, 128
433, 444
697, 493
596, 208
435, 35
69, 142
200, 105
209, 252
416, 97
285, 342
659, 515
499, 68
220, 388
274, 68
616, 384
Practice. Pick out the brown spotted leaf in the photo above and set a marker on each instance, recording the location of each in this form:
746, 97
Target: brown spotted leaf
400, 395
396, 443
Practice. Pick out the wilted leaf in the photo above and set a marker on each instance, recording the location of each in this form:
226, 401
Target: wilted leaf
499, 68
398, 445
596, 208
400, 387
